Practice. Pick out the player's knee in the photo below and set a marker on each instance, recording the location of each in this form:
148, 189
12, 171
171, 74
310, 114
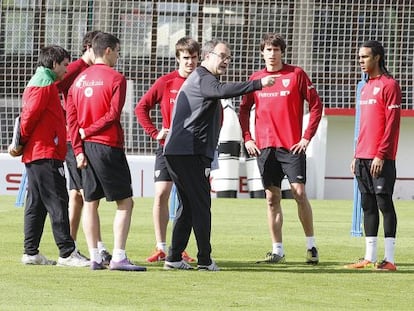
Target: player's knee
273, 197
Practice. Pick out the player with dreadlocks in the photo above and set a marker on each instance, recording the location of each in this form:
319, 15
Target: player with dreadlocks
375, 153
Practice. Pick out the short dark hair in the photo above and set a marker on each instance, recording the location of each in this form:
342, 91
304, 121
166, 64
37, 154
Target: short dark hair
187, 44
102, 41
87, 39
52, 54
273, 39
377, 49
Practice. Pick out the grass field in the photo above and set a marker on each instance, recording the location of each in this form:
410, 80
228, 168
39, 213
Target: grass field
239, 238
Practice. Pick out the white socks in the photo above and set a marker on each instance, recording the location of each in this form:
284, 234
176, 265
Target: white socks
371, 248
278, 249
95, 255
118, 255
101, 246
389, 245
162, 246
310, 242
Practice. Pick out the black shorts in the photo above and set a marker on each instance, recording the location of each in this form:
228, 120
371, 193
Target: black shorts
75, 174
384, 184
160, 167
107, 173
275, 163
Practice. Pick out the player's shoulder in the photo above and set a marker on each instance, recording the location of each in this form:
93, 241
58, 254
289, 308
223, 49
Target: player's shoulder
259, 74
169, 76
78, 63
390, 83
386, 78
293, 68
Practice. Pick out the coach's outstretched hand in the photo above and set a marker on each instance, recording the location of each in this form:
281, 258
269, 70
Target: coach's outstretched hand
269, 80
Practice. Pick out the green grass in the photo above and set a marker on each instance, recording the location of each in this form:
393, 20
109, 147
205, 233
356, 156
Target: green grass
239, 237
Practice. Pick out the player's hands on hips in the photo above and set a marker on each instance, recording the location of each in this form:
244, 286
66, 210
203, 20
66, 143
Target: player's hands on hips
162, 134
251, 148
81, 160
82, 133
300, 146
353, 166
376, 167
15, 152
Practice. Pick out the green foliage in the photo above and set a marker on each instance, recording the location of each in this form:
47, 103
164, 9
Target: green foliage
239, 238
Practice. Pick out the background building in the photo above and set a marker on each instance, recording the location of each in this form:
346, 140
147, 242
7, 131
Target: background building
322, 36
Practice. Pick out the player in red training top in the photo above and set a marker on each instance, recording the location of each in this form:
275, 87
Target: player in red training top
163, 92
94, 107
375, 153
280, 146
75, 178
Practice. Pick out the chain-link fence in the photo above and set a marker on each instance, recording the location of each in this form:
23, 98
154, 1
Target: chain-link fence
322, 37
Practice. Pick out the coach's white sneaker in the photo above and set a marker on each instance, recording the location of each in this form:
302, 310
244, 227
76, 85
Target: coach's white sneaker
211, 267
73, 260
177, 265
37, 259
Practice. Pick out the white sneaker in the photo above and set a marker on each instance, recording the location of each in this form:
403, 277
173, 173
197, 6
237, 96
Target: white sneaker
211, 267
177, 265
73, 260
37, 259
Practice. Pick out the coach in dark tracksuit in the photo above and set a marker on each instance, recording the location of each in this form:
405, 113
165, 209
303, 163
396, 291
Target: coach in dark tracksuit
190, 147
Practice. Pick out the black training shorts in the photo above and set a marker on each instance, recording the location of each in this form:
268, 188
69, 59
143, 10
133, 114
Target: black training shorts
75, 174
107, 173
384, 184
160, 167
275, 163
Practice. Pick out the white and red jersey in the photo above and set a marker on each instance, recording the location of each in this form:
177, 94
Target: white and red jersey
163, 92
280, 108
95, 103
380, 112
43, 131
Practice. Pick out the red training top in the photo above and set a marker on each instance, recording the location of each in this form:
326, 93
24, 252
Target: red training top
163, 92
279, 109
380, 108
95, 103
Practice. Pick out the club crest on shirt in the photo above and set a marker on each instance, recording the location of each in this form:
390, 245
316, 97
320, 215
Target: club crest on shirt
376, 90
88, 91
285, 82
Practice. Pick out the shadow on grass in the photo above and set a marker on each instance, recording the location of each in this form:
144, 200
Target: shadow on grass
301, 267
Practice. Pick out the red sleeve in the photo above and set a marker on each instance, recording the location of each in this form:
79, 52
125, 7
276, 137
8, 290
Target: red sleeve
147, 103
72, 124
35, 100
72, 71
244, 115
115, 108
389, 141
315, 104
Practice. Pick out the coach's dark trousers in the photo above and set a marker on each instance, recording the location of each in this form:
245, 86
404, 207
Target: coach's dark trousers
191, 175
47, 193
